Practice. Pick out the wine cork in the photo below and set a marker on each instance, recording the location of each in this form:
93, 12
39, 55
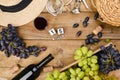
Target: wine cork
14, 69
97, 30
48, 69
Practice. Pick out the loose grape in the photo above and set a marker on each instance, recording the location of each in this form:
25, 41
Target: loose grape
86, 78
81, 74
84, 50
56, 73
78, 70
72, 71
90, 53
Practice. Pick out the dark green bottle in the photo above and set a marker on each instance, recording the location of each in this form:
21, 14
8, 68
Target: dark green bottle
32, 71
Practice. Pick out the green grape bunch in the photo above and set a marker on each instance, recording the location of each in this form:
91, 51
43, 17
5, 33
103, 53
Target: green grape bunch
86, 69
88, 63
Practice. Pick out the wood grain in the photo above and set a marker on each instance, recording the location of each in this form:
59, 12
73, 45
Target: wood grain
63, 49
66, 20
63, 54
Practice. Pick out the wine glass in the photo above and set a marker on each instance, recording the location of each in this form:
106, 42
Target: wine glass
54, 7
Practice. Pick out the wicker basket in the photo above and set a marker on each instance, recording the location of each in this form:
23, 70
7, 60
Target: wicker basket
109, 11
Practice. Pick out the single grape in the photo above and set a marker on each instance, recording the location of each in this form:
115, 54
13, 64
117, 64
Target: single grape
67, 73
96, 72
72, 76
80, 64
72, 71
7, 53
78, 52
78, 70
97, 78
86, 78
91, 73
95, 67
87, 70
62, 75
77, 78
84, 50
92, 65
56, 73
90, 53
34, 48
72, 79
95, 57
36, 54
88, 59
81, 74
86, 73
93, 60
43, 48
84, 62
89, 63
84, 67
76, 57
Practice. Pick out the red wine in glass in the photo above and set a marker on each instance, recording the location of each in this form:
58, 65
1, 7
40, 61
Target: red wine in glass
40, 23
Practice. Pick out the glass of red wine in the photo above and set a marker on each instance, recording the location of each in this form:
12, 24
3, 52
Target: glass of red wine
40, 23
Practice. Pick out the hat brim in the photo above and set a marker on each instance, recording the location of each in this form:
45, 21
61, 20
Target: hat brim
24, 16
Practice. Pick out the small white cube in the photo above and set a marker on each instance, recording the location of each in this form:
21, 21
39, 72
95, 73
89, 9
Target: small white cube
52, 31
60, 31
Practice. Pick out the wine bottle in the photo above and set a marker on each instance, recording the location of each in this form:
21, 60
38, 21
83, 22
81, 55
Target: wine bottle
32, 71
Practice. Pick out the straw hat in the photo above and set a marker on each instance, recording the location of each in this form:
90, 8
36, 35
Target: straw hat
20, 12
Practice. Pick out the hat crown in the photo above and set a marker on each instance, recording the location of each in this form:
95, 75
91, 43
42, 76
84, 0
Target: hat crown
9, 2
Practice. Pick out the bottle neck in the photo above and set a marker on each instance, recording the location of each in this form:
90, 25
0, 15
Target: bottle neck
45, 61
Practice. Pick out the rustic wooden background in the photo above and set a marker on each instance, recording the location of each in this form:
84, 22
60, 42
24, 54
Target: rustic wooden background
62, 49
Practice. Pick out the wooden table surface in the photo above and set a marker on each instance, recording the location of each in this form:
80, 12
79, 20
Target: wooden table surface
63, 49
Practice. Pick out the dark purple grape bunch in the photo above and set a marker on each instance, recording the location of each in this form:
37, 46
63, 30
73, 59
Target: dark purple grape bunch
108, 59
11, 43
91, 40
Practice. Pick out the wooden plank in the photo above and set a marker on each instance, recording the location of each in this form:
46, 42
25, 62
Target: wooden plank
62, 50
66, 21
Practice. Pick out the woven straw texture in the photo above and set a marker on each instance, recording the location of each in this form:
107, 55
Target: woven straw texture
109, 11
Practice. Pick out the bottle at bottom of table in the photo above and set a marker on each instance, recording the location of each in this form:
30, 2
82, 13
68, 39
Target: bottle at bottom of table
32, 71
